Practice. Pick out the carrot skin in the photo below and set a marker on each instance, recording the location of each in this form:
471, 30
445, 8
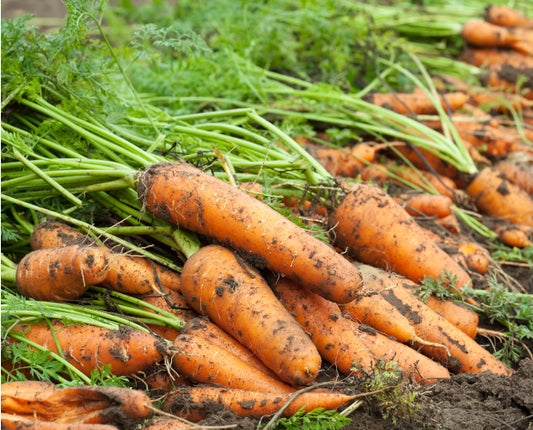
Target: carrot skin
204, 362
506, 17
52, 234
15, 422
378, 231
186, 196
127, 350
216, 283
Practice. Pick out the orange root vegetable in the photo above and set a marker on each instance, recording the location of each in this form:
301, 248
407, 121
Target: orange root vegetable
466, 355
420, 204
417, 103
43, 401
204, 328
477, 257
450, 223
378, 231
218, 284
424, 179
519, 173
53, 234
195, 403
346, 345
61, 274
345, 162
16, 422
495, 195
506, 16
165, 424
127, 350
508, 78
192, 199
484, 34
515, 235
204, 362
484, 57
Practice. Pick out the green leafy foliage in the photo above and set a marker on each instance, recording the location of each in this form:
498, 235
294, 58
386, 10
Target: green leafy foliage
317, 419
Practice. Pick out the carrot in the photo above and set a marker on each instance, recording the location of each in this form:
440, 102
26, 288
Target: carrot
519, 173
86, 347
192, 199
495, 195
202, 327
52, 234
427, 204
477, 257
506, 16
450, 223
202, 361
417, 103
159, 423
466, 355
61, 274
195, 403
481, 33
15, 422
88, 404
499, 102
378, 231
218, 284
346, 162
344, 344
306, 207
483, 57
515, 235
508, 78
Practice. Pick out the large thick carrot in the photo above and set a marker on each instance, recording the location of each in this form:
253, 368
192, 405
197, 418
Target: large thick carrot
192, 199
52, 234
417, 103
345, 344
378, 231
506, 16
218, 284
86, 347
61, 274
482, 33
195, 403
495, 195
204, 362
466, 355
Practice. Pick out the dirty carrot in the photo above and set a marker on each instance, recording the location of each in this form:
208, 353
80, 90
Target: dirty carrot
482, 33
508, 78
204, 362
16, 422
417, 103
345, 162
186, 196
519, 173
376, 230
477, 257
495, 195
194, 403
345, 344
61, 274
52, 234
126, 350
202, 327
515, 235
165, 423
506, 16
218, 284
466, 355
420, 204
483, 57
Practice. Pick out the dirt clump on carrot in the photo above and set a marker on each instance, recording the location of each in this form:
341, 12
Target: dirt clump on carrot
192, 199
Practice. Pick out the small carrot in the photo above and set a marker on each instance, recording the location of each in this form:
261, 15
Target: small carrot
508, 78
165, 423
345, 162
495, 195
466, 355
218, 284
202, 327
477, 257
499, 102
186, 196
204, 362
345, 344
515, 235
86, 347
420, 204
377, 230
482, 33
506, 16
417, 103
519, 173
484, 57
61, 274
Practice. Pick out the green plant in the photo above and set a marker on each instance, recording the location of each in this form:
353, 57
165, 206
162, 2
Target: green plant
317, 419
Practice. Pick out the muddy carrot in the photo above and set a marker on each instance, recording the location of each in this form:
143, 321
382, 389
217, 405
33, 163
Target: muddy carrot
377, 230
17, 422
192, 199
52, 234
515, 235
346, 162
61, 274
204, 362
506, 16
519, 173
218, 284
417, 103
508, 78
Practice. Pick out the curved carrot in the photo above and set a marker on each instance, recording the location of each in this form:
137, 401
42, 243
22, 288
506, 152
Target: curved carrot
195, 403
466, 355
192, 199
417, 103
346, 345
202, 361
378, 231
506, 16
61, 274
217, 283
515, 235
495, 195
482, 33
127, 350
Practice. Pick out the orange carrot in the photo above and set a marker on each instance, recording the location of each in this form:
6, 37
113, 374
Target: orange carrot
202, 361
204, 328
483, 57
192, 199
160, 423
499, 102
345, 344
519, 173
450, 223
515, 235
481, 33
495, 195
506, 16
427, 204
346, 162
417, 103
195, 403
52, 234
466, 355
218, 284
16, 422
508, 78
61, 274
477, 257
378, 231
86, 347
